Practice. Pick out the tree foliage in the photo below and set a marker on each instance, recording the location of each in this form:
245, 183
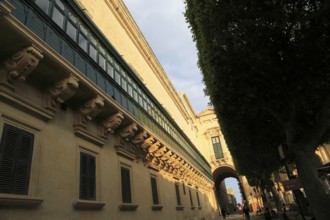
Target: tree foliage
266, 67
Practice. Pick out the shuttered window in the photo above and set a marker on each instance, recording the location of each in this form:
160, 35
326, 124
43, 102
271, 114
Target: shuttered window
198, 201
177, 192
154, 190
15, 160
87, 177
191, 199
217, 148
126, 185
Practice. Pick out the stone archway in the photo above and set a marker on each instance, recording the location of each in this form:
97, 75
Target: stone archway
219, 174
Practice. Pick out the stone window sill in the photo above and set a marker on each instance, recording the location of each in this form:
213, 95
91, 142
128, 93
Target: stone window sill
179, 208
157, 207
88, 204
192, 207
199, 207
19, 200
128, 207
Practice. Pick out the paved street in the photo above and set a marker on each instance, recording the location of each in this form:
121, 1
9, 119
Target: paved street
291, 216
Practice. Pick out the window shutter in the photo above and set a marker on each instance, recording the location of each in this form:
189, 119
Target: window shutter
126, 185
154, 191
217, 148
177, 192
191, 199
198, 201
87, 177
16, 150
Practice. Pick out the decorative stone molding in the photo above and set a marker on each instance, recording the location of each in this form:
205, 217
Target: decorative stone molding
89, 110
8, 96
111, 123
129, 131
167, 155
140, 138
160, 152
151, 162
5, 7
61, 91
19, 201
125, 149
154, 147
172, 159
147, 143
22, 63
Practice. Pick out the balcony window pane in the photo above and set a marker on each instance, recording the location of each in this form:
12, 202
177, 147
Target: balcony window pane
117, 77
93, 52
82, 41
102, 62
109, 69
58, 17
71, 31
43, 5
130, 90
60, 4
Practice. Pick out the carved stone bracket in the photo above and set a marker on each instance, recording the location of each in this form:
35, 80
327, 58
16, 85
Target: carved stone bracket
112, 122
140, 138
21, 64
172, 159
129, 131
89, 110
167, 155
147, 143
154, 147
61, 91
160, 152
152, 162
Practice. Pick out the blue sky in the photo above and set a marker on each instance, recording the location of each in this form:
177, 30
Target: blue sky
163, 25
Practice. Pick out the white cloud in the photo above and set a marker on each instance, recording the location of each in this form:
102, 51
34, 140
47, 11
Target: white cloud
163, 25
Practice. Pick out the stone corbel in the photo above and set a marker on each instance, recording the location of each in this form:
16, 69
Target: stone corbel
125, 149
172, 159
129, 131
140, 138
147, 143
61, 91
160, 152
111, 123
89, 110
154, 147
167, 155
176, 162
20, 65
152, 162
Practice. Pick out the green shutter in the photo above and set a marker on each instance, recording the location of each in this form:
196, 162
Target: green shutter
154, 191
87, 177
15, 160
126, 185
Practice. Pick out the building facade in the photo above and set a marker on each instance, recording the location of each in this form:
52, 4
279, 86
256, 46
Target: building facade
90, 125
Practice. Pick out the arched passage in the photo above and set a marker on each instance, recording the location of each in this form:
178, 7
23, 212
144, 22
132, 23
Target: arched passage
219, 174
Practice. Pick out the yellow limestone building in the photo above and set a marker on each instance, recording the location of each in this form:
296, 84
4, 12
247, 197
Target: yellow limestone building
90, 125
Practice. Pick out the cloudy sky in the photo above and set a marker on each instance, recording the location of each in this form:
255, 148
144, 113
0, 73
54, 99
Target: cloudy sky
163, 25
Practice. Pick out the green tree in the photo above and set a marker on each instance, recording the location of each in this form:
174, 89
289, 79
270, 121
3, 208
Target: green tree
266, 67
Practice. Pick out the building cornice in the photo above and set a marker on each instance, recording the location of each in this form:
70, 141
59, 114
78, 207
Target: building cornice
124, 17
